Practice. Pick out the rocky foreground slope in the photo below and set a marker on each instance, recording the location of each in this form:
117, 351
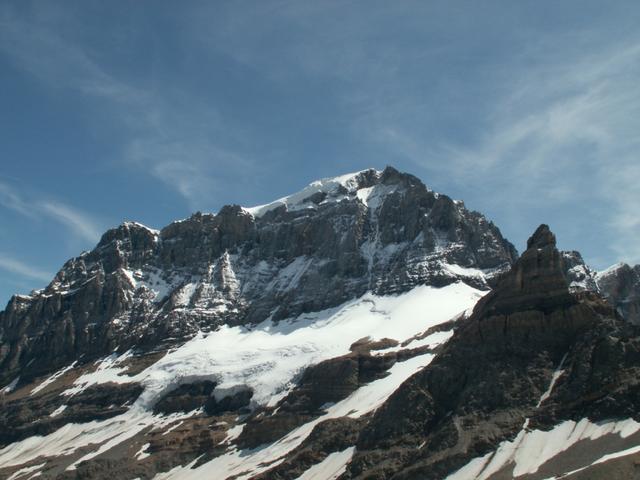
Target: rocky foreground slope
327, 334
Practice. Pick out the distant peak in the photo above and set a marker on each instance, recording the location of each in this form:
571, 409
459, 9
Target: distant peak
614, 269
542, 237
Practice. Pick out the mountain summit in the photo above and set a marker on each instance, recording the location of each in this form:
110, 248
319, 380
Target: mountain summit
364, 327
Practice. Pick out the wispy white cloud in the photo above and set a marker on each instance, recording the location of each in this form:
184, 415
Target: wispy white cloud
54, 60
12, 265
13, 201
548, 121
176, 142
563, 134
81, 224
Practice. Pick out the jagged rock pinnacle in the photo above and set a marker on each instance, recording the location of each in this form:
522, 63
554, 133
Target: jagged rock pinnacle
542, 237
535, 282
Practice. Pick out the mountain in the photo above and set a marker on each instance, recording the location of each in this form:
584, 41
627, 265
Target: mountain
382, 232
364, 327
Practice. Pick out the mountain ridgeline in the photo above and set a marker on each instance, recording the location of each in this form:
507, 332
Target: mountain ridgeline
363, 328
374, 231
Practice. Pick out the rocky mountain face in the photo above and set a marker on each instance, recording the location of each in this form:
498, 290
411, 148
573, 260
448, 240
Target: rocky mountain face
363, 328
383, 232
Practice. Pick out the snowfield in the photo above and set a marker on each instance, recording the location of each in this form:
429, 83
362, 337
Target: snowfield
269, 356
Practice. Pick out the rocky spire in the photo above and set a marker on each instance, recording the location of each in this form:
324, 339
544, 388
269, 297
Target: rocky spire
541, 238
536, 281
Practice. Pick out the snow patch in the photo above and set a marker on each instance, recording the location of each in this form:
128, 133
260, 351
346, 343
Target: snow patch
11, 387
331, 467
611, 270
27, 471
142, 453
58, 411
531, 449
556, 375
52, 378
108, 370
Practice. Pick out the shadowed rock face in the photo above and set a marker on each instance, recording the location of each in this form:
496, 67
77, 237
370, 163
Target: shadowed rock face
490, 376
38, 415
199, 395
144, 289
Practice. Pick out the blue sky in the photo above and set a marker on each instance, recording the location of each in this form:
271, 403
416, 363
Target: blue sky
528, 111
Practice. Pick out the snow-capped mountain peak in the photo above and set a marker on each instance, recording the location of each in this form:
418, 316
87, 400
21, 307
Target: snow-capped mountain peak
357, 327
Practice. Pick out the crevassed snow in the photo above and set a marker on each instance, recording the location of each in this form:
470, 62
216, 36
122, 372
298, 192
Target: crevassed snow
531, 449
268, 357
106, 434
331, 467
297, 200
